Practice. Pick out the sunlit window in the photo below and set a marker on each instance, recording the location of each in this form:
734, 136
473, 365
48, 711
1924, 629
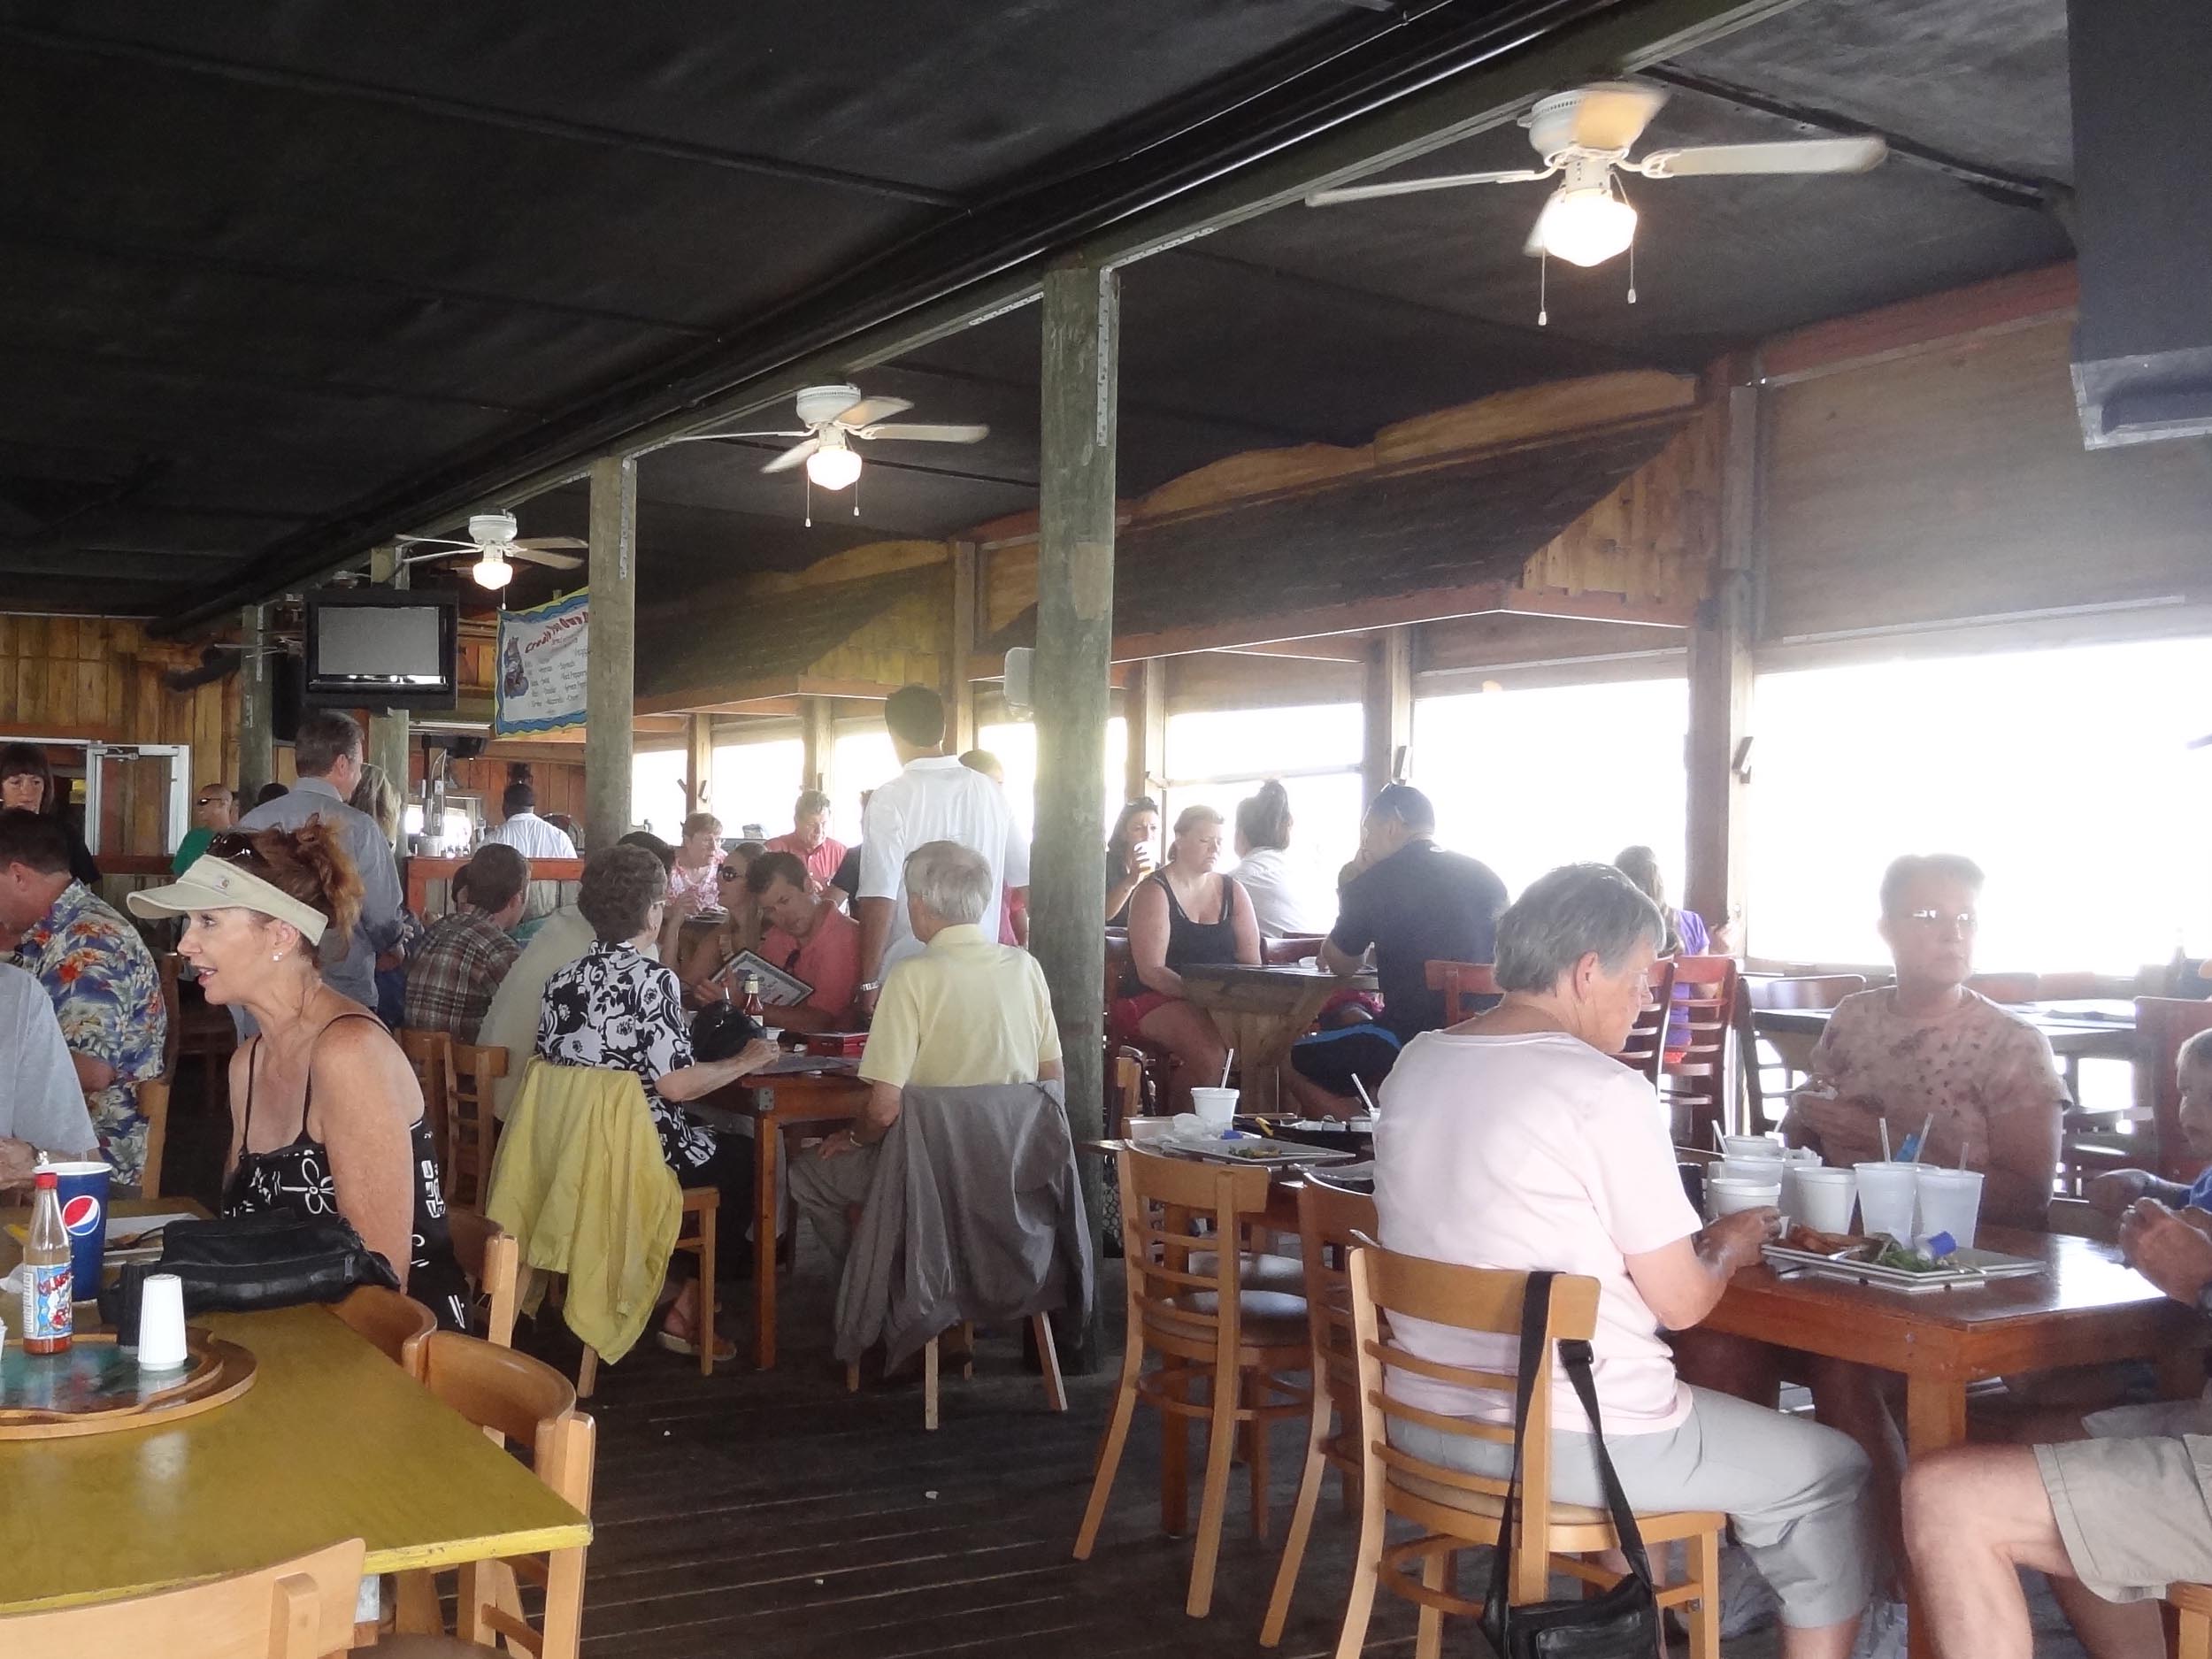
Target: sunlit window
756, 784
1015, 743
860, 760
2066, 774
657, 800
1218, 757
1529, 779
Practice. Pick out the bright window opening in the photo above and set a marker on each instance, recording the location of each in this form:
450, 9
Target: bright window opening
1015, 743
1218, 757
657, 800
756, 784
860, 760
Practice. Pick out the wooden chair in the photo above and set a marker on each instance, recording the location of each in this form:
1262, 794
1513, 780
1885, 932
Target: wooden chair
2073, 986
153, 1106
1645, 1050
1332, 1220
393, 1321
489, 1255
472, 1128
428, 1056
198, 1029
1456, 1510
2162, 1023
2010, 988
1696, 1080
1460, 982
1287, 950
2078, 1219
1793, 1051
530, 1404
694, 1237
1190, 1304
2193, 1608
300, 1609
1121, 980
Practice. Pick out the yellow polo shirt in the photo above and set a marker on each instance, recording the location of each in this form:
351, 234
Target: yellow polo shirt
964, 1011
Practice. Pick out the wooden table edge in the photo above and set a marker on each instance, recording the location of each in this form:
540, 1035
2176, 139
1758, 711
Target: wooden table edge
486, 1546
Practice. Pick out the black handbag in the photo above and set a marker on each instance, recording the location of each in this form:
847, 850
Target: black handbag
268, 1259
721, 1030
1623, 1621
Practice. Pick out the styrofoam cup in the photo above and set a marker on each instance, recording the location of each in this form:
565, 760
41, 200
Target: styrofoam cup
1752, 1146
1950, 1201
1724, 1195
1888, 1197
1216, 1107
1822, 1199
161, 1345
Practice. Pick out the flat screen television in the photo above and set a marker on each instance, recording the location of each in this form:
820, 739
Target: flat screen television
380, 648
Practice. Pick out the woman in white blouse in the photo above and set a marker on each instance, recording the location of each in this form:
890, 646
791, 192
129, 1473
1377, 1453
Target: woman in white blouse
1264, 868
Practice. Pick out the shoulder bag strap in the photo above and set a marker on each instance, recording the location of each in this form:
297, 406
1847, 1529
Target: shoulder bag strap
1535, 1320
1575, 1356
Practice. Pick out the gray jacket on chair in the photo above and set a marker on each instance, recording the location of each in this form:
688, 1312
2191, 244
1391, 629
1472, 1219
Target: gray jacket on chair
974, 1212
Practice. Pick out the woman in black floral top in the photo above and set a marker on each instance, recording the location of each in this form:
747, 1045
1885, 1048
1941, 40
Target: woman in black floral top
618, 1009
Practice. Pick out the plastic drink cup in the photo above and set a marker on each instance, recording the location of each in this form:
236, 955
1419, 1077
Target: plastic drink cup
1950, 1201
1216, 1108
1888, 1195
1726, 1195
83, 1188
161, 1345
1823, 1198
1752, 1146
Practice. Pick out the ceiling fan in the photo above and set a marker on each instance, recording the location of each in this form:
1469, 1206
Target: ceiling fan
492, 543
831, 417
1585, 136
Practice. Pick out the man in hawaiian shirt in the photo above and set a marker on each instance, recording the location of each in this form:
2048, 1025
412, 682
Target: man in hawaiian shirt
98, 973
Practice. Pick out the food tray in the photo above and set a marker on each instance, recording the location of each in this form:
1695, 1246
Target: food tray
1966, 1267
1252, 1149
95, 1388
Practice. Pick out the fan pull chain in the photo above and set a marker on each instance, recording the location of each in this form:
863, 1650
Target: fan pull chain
1543, 275
807, 478
1631, 273
856, 498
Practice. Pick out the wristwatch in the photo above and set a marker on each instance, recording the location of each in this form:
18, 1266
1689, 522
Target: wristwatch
2204, 1301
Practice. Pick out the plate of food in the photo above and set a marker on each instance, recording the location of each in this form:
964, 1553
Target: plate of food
1894, 1263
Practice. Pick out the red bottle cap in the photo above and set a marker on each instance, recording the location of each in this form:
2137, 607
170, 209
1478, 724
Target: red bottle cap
45, 1179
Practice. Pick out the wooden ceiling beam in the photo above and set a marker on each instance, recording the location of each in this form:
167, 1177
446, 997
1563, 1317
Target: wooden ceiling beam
1999, 305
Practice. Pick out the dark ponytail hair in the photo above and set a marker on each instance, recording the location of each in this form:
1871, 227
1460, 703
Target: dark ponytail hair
1263, 819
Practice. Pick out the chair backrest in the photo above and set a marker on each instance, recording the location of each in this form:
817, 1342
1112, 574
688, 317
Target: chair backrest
300, 1609
1121, 966
1645, 1050
1331, 1222
1287, 950
489, 1254
1706, 990
2074, 985
394, 1323
1164, 1200
2005, 988
2162, 1023
153, 1105
426, 1052
1460, 982
1806, 991
2077, 1217
172, 967
473, 1123
1125, 1088
532, 1405
1387, 1285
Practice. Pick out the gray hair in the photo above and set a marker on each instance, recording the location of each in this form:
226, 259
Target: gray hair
952, 882
1567, 915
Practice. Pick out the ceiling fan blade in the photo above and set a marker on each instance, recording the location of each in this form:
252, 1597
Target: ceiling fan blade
793, 456
711, 437
871, 410
1409, 187
530, 555
1612, 114
550, 541
924, 432
1811, 155
433, 541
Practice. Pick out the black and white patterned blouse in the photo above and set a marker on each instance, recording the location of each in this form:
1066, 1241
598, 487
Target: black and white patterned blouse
614, 1009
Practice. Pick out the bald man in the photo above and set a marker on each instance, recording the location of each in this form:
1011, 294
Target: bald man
214, 810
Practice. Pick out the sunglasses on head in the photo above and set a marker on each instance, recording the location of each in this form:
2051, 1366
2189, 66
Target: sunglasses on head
233, 847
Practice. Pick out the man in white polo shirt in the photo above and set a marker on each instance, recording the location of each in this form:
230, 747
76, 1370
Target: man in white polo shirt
934, 798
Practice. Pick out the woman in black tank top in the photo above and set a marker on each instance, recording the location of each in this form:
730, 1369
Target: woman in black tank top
1181, 915
326, 1116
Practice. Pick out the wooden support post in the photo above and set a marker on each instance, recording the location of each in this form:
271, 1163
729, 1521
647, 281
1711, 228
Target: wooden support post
818, 732
1147, 766
611, 675
257, 710
1388, 698
699, 764
1075, 624
386, 745
1720, 671
959, 690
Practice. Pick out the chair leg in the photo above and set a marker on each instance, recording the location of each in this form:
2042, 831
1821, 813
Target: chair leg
587, 1373
1255, 1396
852, 1377
1110, 1449
1213, 1501
1704, 1613
707, 1337
1436, 1572
1301, 1519
1048, 1358
967, 1354
418, 1613
2195, 1635
929, 1384
1175, 1460
1359, 1604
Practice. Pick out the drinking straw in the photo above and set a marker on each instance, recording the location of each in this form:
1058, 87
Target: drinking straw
1961, 1157
1719, 1144
1883, 1124
1364, 1095
1225, 1065
1920, 1148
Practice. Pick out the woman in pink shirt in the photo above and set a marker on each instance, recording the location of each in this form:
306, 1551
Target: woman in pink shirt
1516, 1141
695, 884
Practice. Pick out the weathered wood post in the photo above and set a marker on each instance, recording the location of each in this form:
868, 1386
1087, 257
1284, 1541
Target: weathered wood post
611, 675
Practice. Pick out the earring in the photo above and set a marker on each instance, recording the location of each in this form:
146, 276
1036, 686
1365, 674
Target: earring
276, 956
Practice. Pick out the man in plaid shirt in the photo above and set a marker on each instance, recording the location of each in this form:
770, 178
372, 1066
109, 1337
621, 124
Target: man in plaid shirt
452, 977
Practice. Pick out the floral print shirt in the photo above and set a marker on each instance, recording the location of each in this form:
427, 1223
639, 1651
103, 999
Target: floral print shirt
613, 1007
106, 991
1964, 1070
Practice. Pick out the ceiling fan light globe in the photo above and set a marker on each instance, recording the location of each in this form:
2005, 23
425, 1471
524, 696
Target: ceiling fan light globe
492, 572
833, 468
1587, 227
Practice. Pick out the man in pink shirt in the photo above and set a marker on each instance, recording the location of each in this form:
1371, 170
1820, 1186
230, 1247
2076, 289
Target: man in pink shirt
807, 936
810, 839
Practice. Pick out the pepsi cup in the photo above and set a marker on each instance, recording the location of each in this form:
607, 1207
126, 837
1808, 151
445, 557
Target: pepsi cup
83, 1189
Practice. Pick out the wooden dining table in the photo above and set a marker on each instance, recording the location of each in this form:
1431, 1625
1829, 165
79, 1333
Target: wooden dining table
1261, 1011
332, 1441
2101, 1029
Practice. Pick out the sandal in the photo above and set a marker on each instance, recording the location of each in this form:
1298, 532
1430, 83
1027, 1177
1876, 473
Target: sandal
724, 1350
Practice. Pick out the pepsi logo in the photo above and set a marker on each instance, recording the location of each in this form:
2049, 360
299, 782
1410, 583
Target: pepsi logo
80, 1215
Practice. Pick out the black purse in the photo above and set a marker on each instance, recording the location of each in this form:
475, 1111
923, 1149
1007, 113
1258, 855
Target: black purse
268, 1259
1623, 1621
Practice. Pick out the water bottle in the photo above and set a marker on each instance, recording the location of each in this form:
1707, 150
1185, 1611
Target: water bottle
49, 1316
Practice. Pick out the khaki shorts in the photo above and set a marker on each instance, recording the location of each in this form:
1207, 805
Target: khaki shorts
2132, 1512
